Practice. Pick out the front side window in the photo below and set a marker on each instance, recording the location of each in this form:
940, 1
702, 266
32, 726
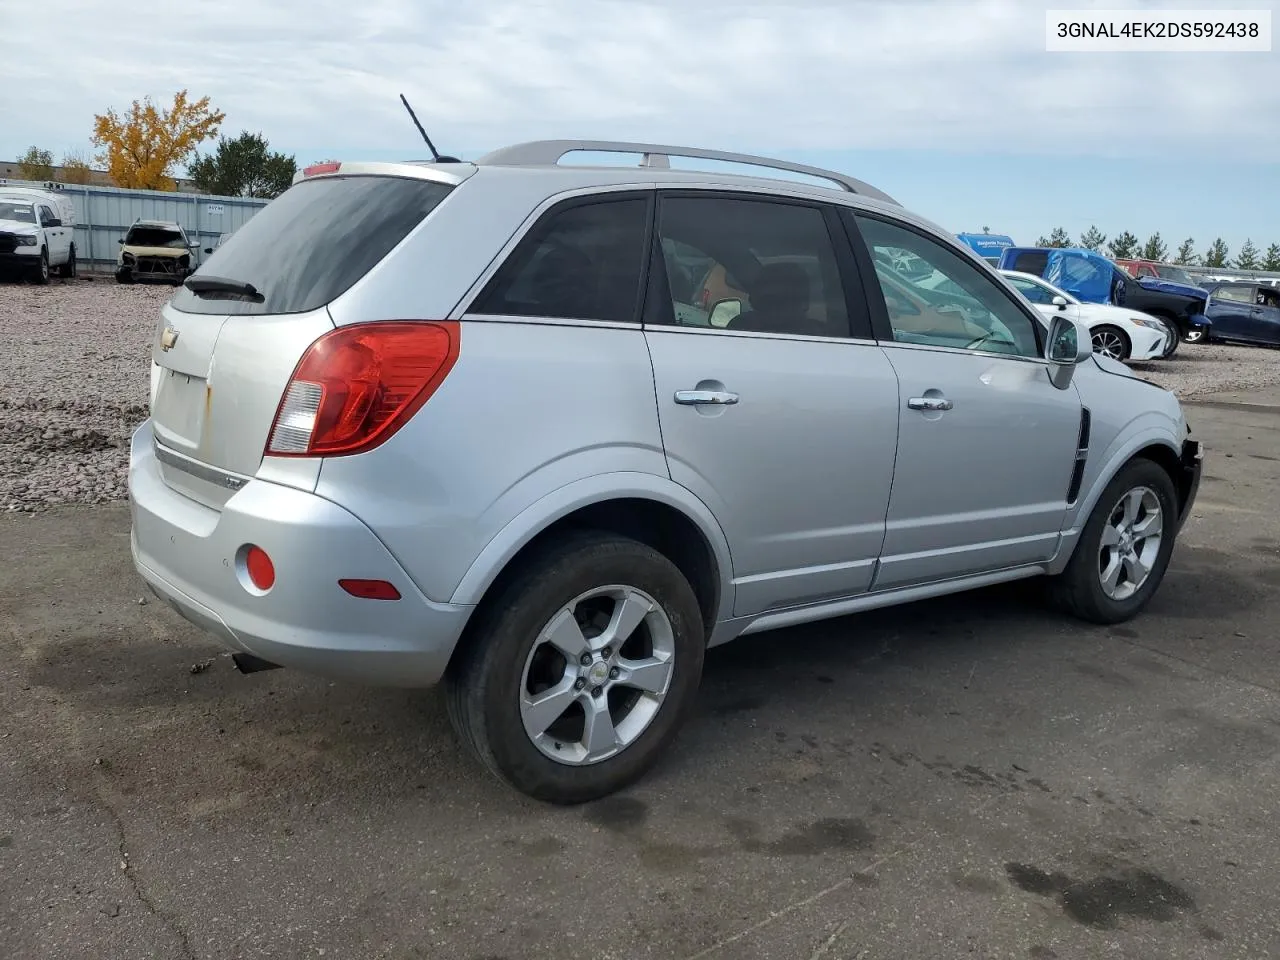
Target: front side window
46, 216
765, 267
1238, 294
969, 311
579, 262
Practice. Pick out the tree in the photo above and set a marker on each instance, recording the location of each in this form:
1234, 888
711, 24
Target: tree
141, 148
1154, 249
36, 164
1123, 247
1059, 238
1093, 239
75, 169
1248, 259
244, 167
1186, 254
1273, 258
1217, 255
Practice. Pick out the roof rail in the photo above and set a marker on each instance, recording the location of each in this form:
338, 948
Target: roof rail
550, 152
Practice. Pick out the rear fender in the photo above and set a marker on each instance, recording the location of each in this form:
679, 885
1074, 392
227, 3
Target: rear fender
563, 501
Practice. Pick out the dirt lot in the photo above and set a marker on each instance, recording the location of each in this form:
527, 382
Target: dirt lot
75, 371
969, 777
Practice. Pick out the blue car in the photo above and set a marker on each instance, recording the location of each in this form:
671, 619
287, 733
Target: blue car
1243, 312
1089, 276
989, 246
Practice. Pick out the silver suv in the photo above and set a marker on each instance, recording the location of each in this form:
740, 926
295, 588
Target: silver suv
546, 432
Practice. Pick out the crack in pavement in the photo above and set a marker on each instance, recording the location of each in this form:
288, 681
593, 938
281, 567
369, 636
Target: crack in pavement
135, 882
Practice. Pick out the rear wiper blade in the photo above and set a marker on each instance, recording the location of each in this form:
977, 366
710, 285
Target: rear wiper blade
201, 286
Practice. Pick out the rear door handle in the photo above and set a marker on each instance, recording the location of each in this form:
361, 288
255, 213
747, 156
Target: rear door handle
930, 403
696, 397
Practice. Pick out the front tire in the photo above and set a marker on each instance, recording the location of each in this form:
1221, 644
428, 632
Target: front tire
1111, 342
124, 276
580, 669
1124, 549
41, 273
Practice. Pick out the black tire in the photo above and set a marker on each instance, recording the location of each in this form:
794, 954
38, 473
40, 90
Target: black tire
484, 681
1078, 589
40, 275
1125, 346
68, 270
124, 276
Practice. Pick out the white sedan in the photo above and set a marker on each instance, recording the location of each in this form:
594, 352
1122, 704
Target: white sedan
1118, 333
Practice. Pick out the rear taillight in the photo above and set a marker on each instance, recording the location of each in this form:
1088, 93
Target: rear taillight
318, 168
357, 385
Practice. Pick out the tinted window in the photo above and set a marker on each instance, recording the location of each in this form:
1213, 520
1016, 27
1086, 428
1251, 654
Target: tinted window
581, 262
1033, 262
970, 312
314, 241
46, 215
770, 267
1031, 290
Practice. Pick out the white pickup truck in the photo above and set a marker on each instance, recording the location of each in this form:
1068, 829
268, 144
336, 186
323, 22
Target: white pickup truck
37, 233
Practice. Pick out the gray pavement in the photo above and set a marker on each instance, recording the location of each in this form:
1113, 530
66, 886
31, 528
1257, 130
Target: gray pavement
967, 777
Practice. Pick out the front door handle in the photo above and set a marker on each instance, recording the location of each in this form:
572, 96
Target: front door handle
930, 403
696, 397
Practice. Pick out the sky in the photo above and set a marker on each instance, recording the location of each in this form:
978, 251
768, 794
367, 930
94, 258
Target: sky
953, 107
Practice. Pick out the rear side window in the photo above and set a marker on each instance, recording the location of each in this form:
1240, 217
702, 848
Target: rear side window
582, 261
310, 244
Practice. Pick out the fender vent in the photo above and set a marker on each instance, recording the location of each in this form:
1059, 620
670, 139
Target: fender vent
1082, 456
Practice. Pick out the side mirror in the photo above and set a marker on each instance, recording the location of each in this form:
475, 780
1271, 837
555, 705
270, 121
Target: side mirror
1060, 302
120, 241
725, 312
193, 244
53, 222
1069, 344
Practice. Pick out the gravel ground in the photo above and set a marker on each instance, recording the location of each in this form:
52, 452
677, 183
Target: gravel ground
74, 374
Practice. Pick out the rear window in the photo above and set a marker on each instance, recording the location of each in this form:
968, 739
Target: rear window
310, 244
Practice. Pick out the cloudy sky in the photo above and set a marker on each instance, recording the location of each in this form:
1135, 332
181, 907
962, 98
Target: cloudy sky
952, 106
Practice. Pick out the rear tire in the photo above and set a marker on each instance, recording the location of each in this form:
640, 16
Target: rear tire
68, 270
1082, 588
505, 668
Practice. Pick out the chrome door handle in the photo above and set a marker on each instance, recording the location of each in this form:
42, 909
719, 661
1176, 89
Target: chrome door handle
930, 403
695, 397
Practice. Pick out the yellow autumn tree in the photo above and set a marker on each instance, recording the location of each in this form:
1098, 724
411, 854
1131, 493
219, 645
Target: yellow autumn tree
141, 148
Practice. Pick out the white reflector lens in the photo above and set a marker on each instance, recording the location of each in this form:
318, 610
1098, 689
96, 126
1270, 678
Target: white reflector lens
297, 418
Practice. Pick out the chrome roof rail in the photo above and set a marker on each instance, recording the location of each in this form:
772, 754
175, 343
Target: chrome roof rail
550, 152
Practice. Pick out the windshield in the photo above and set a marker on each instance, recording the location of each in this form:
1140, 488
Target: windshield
1176, 274
155, 237
22, 212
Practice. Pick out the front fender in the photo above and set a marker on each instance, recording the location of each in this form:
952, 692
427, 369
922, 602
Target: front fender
563, 501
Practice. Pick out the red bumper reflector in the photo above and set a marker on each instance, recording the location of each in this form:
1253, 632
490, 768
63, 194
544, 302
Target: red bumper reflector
370, 589
262, 572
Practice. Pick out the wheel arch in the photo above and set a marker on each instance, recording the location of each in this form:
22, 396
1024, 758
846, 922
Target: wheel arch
650, 509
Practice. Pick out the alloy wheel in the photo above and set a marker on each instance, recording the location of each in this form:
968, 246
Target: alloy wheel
1130, 543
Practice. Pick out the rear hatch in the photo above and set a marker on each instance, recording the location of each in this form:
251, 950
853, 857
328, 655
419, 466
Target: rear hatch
229, 341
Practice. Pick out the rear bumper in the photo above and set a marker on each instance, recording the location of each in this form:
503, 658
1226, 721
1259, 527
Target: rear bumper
1191, 465
188, 552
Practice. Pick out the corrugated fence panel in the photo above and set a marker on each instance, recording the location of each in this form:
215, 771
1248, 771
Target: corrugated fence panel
103, 214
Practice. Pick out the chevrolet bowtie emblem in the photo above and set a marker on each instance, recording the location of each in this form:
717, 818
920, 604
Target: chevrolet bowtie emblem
168, 338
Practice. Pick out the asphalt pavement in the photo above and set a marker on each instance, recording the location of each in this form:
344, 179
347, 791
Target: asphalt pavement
974, 776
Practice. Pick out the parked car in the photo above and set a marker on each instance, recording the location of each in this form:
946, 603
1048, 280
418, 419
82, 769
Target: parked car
1116, 332
1168, 277
562, 483
1091, 277
154, 250
1245, 313
37, 233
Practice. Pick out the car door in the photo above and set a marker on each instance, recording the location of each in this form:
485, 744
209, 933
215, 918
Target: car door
783, 420
1230, 310
56, 236
986, 444
1265, 319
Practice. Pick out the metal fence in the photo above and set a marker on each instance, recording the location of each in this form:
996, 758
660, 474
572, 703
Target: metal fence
103, 214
